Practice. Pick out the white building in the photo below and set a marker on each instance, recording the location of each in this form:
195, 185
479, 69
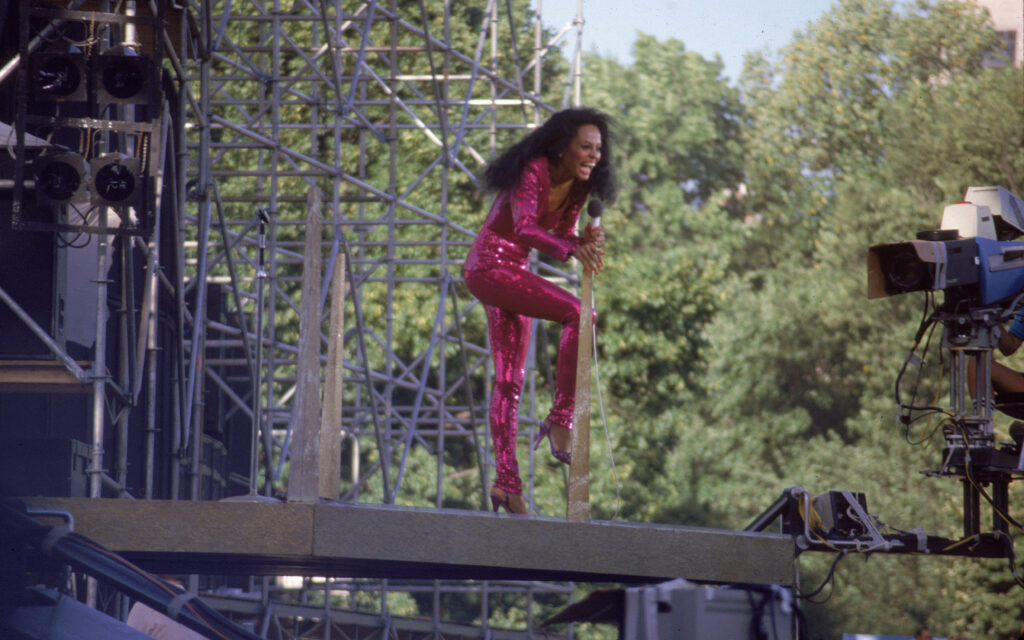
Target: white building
1008, 21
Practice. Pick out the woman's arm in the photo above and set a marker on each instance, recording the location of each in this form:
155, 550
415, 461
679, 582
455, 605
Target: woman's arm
528, 201
1008, 343
1010, 339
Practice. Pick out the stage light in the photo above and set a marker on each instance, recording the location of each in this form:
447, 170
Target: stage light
123, 78
59, 178
115, 180
57, 76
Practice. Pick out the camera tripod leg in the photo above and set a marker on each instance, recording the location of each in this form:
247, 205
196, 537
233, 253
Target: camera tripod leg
1000, 505
972, 509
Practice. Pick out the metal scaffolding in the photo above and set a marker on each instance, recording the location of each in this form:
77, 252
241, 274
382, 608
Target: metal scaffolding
374, 105
383, 109
374, 118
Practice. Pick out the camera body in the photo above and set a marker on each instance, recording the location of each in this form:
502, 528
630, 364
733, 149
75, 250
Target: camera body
972, 256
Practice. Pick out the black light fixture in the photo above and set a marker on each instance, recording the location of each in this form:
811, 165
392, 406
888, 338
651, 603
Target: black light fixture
123, 78
59, 178
57, 77
116, 180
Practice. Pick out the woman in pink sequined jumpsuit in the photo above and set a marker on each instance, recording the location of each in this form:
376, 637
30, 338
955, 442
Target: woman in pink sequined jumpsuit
542, 183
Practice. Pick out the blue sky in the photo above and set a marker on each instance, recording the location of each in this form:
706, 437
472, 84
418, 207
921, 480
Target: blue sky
727, 27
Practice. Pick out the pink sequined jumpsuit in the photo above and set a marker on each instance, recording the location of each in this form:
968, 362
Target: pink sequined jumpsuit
497, 274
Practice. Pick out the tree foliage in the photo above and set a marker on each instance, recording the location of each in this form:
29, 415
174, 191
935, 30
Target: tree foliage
738, 353
737, 317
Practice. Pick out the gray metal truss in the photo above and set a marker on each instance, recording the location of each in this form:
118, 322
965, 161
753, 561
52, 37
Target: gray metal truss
392, 122
373, 105
388, 117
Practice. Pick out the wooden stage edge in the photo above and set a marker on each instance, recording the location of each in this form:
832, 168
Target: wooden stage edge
267, 537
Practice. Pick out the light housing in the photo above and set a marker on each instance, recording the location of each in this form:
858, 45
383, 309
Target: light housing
60, 178
57, 77
122, 78
116, 180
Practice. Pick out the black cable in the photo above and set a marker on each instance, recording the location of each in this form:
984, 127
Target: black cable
765, 607
827, 580
1011, 555
802, 632
927, 436
928, 321
80, 239
967, 472
926, 318
928, 325
757, 631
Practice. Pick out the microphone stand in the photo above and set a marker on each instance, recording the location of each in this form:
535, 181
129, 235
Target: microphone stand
578, 502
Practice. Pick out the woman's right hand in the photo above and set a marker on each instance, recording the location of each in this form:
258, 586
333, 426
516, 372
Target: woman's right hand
595, 235
589, 255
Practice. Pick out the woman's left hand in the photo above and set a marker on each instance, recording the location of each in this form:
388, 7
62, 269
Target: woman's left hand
590, 256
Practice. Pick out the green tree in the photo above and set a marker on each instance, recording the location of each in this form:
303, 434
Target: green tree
671, 237
866, 125
821, 109
676, 144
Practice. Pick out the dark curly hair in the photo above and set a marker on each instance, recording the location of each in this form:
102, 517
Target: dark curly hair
550, 140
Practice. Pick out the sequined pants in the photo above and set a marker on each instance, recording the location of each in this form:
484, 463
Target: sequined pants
496, 274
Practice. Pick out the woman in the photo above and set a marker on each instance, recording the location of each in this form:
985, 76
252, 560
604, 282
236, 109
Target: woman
542, 182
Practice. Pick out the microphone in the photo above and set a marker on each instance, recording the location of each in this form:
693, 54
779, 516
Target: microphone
594, 209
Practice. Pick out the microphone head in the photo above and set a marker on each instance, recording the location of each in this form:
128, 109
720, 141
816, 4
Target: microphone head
595, 208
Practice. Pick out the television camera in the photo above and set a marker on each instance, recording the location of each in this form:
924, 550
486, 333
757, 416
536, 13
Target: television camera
971, 256
974, 259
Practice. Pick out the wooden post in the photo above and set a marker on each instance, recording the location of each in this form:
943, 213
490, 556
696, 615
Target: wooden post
330, 420
578, 503
303, 484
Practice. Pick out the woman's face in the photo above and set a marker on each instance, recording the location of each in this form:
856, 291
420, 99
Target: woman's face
582, 154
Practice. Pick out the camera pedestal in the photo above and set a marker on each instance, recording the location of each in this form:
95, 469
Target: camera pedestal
970, 451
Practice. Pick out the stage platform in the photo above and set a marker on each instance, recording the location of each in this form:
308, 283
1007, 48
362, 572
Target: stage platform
268, 537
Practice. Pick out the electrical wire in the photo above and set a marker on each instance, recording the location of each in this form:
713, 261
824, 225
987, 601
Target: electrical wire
925, 331
90, 39
758, 609
981, 490
1010, 553
929, 430
814, 524
1012, 559
604, 420
86, 238
960, 543
929, 411
824, 583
